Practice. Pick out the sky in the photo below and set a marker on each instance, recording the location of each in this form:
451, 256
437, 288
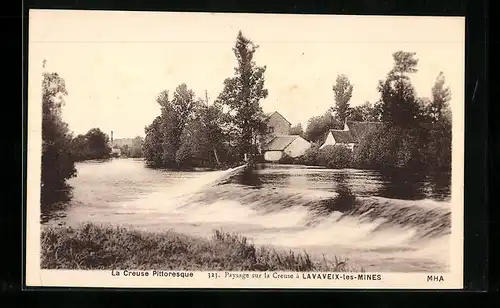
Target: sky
116, 63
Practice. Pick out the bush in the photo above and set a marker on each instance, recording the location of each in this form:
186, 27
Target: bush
287, 159
335, 157
332, 156
344, 201
310, 157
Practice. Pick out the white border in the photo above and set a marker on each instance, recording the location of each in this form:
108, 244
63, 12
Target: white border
74, 278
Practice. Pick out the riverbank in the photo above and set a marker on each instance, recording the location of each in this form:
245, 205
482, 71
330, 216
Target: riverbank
93, 246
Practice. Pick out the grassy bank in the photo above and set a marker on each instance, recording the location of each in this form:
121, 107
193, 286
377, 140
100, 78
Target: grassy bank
101, 247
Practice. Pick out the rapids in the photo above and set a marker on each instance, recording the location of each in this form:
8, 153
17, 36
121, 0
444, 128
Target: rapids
359, 215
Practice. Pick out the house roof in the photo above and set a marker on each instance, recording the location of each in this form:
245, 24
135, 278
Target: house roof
357, 130
361, 129
279, 143
342, 136
269, 114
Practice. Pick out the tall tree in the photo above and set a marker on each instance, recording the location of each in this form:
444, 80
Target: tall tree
243, 92
343, 93
57, 160
184, 104
202, 138
165, 136
166, 131
399, 102
441, 95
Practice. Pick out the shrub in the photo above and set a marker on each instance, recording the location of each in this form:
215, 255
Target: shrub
335, 157
287, 159
310, 157
344, 201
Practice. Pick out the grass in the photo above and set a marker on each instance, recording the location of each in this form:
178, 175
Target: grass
105, 247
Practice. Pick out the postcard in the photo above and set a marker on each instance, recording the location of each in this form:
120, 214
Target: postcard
230, 150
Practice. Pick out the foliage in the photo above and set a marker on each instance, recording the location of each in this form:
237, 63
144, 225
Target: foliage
343, 93
390, 147
287, 159
399, 103
438, 109
335, 157
186, 134
417, 132
310, 157
297, 130
425, 148
136, 148
105, 248
318, 127
204, 137
152, 149
366, 113
242, 94
163, 136
57, 160
189, 133
93, 145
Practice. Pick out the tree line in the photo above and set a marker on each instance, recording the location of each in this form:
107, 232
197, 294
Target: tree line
190, 132
415, 135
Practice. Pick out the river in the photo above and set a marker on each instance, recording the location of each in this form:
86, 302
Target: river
382, 222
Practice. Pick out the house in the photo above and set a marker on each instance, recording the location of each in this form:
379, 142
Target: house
277, 124
351, 135
278, 142
291, 145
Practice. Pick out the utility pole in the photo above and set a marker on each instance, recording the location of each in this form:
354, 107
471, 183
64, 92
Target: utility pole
206, 97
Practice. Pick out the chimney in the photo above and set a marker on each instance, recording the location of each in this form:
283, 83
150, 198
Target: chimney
111, 137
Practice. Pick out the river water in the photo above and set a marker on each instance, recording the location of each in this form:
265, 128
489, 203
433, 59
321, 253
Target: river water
382, 222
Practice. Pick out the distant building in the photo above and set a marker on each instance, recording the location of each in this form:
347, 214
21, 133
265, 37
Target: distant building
351, 135
122, 142
278, 141
116, 152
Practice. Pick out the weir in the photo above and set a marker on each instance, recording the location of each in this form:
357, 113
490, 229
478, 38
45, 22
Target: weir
292, 208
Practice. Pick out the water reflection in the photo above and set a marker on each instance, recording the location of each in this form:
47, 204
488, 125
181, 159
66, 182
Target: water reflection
53, 202
405, 185
344, 201
394, 184
248, 177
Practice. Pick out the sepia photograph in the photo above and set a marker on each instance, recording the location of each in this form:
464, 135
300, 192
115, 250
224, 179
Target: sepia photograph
244, 150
